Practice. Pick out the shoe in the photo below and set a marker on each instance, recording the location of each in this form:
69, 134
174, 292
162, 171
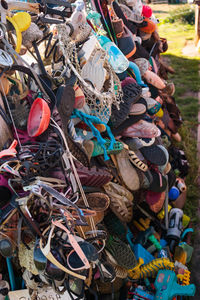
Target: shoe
121, 201
127, 171
121, 252
142, 129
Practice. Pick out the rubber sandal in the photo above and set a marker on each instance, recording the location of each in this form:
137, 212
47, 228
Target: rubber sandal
121, 201
142, 64
132, 119
150, 151
137, 162
120, 272
137, 109
98, 150
155, 109
121, 253
131, 94
154, 79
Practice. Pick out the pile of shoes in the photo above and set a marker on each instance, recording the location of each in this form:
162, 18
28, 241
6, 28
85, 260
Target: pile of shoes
92, 186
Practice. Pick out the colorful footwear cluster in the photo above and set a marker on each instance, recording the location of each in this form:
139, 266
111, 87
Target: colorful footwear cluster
90, 177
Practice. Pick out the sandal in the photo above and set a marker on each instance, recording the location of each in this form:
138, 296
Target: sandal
98, 150
127, 171
121, 253
114, 226
121, 201
135, 160
120, 272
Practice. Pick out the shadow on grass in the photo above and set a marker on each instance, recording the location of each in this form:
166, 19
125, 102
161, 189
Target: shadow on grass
186, 80
187, 83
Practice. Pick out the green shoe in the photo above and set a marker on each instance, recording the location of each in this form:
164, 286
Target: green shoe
98, 150
121, 252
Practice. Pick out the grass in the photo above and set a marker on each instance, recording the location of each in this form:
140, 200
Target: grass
186, 80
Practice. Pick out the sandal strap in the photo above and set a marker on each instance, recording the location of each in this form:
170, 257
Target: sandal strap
136, 161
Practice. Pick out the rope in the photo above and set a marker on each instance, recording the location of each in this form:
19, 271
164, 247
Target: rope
89, 120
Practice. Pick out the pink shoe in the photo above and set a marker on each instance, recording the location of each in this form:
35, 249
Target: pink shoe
154, 79
142, 129
128, 80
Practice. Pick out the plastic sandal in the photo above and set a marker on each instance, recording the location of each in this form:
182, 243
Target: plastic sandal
136, 161
120, 272
121, 253
98, 150
121, 201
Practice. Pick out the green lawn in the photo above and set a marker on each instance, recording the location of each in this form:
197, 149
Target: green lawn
186, 80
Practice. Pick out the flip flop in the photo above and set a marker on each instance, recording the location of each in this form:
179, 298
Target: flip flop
132, 119
138, 108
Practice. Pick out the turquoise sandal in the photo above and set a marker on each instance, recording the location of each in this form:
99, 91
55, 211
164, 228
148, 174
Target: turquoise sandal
98, 150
